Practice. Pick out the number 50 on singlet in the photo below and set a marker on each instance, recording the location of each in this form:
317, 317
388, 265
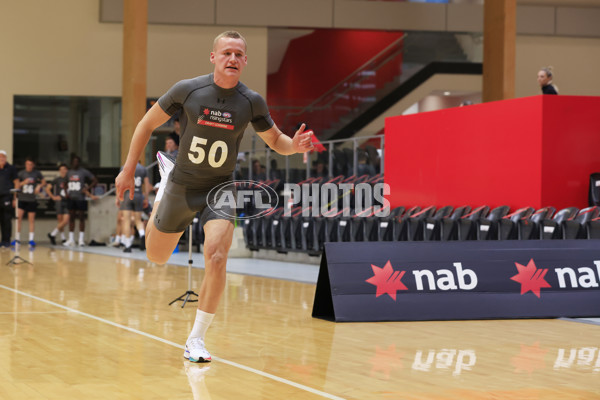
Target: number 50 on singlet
197, 154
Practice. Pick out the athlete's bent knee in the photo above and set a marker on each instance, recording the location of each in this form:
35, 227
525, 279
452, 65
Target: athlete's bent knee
157, 257
216, 254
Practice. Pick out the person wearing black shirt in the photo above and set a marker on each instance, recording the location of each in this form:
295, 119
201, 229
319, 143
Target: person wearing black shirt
544, 79
30, 183
8, 181
57, 191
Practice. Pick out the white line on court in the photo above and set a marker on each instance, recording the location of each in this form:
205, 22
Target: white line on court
148, 335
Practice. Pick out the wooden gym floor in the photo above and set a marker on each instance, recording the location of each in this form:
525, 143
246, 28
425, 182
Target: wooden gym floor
85, 326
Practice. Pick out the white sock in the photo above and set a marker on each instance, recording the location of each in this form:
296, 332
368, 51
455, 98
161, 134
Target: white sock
81, 235
71, 236
203, 321
31, 236
18, 236
122, 239
142, 232
117, 239
62, 236
54, 232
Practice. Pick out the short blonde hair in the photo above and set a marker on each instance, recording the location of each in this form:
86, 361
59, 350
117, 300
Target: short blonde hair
230, 34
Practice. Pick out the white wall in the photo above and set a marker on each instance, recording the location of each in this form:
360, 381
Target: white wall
60, 48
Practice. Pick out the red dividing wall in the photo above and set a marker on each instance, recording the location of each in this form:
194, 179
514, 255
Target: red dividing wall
533, 151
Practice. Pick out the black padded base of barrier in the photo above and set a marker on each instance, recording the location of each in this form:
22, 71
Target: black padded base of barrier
396, 281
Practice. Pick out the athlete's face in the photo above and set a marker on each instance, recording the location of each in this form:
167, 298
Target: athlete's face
62, 171
543, 78
29, 166
229, 57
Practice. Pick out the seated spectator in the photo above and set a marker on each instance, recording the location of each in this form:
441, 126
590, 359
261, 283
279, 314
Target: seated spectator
320, 171
363, 168
258, 171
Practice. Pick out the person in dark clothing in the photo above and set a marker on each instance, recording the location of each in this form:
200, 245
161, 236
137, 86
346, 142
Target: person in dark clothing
31, 182
80, 183
215, 110
8, 181
363, 168
57, 191
544, 79
257, 171
320, 171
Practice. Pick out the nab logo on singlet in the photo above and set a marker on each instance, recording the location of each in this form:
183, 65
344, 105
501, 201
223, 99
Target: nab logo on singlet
215, 118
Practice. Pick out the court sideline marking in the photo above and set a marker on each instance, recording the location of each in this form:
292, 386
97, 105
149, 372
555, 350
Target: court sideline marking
148, 335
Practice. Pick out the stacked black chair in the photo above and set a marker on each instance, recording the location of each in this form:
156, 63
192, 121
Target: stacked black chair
361, 224
250, 230
327, 226
487, 227
445, 227
396, 225
411, 228
466, 225
551, 228
287, 230
576, 228
507, 228
423, 228
269, 231
384, 225
593, 229
529, 229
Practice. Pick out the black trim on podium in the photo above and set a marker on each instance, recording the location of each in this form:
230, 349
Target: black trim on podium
323, 304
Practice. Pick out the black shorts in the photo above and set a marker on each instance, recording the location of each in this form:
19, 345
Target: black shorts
137, 204
28, 206
61, 207
77, 205
179, 206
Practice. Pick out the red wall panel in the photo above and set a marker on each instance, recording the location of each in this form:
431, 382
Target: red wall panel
532, 151
571, 148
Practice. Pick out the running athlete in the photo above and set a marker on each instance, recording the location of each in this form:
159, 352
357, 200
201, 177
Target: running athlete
57, 191
30, 183
79, 181
215, 110
139, 202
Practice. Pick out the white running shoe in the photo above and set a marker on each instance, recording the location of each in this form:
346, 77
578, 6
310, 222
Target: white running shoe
196, 374
195, 351
69, 243
81, 243
166, 163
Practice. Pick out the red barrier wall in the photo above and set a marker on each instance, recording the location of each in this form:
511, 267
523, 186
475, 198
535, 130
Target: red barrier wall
533, 151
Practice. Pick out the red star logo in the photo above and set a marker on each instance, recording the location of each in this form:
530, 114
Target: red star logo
530, 358
386, 360
206, 111
387, 280
531, 278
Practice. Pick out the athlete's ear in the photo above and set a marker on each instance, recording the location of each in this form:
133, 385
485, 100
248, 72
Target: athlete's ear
212, 57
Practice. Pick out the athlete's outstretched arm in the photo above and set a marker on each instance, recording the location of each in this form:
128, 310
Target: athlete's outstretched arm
154, 118
283, 144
